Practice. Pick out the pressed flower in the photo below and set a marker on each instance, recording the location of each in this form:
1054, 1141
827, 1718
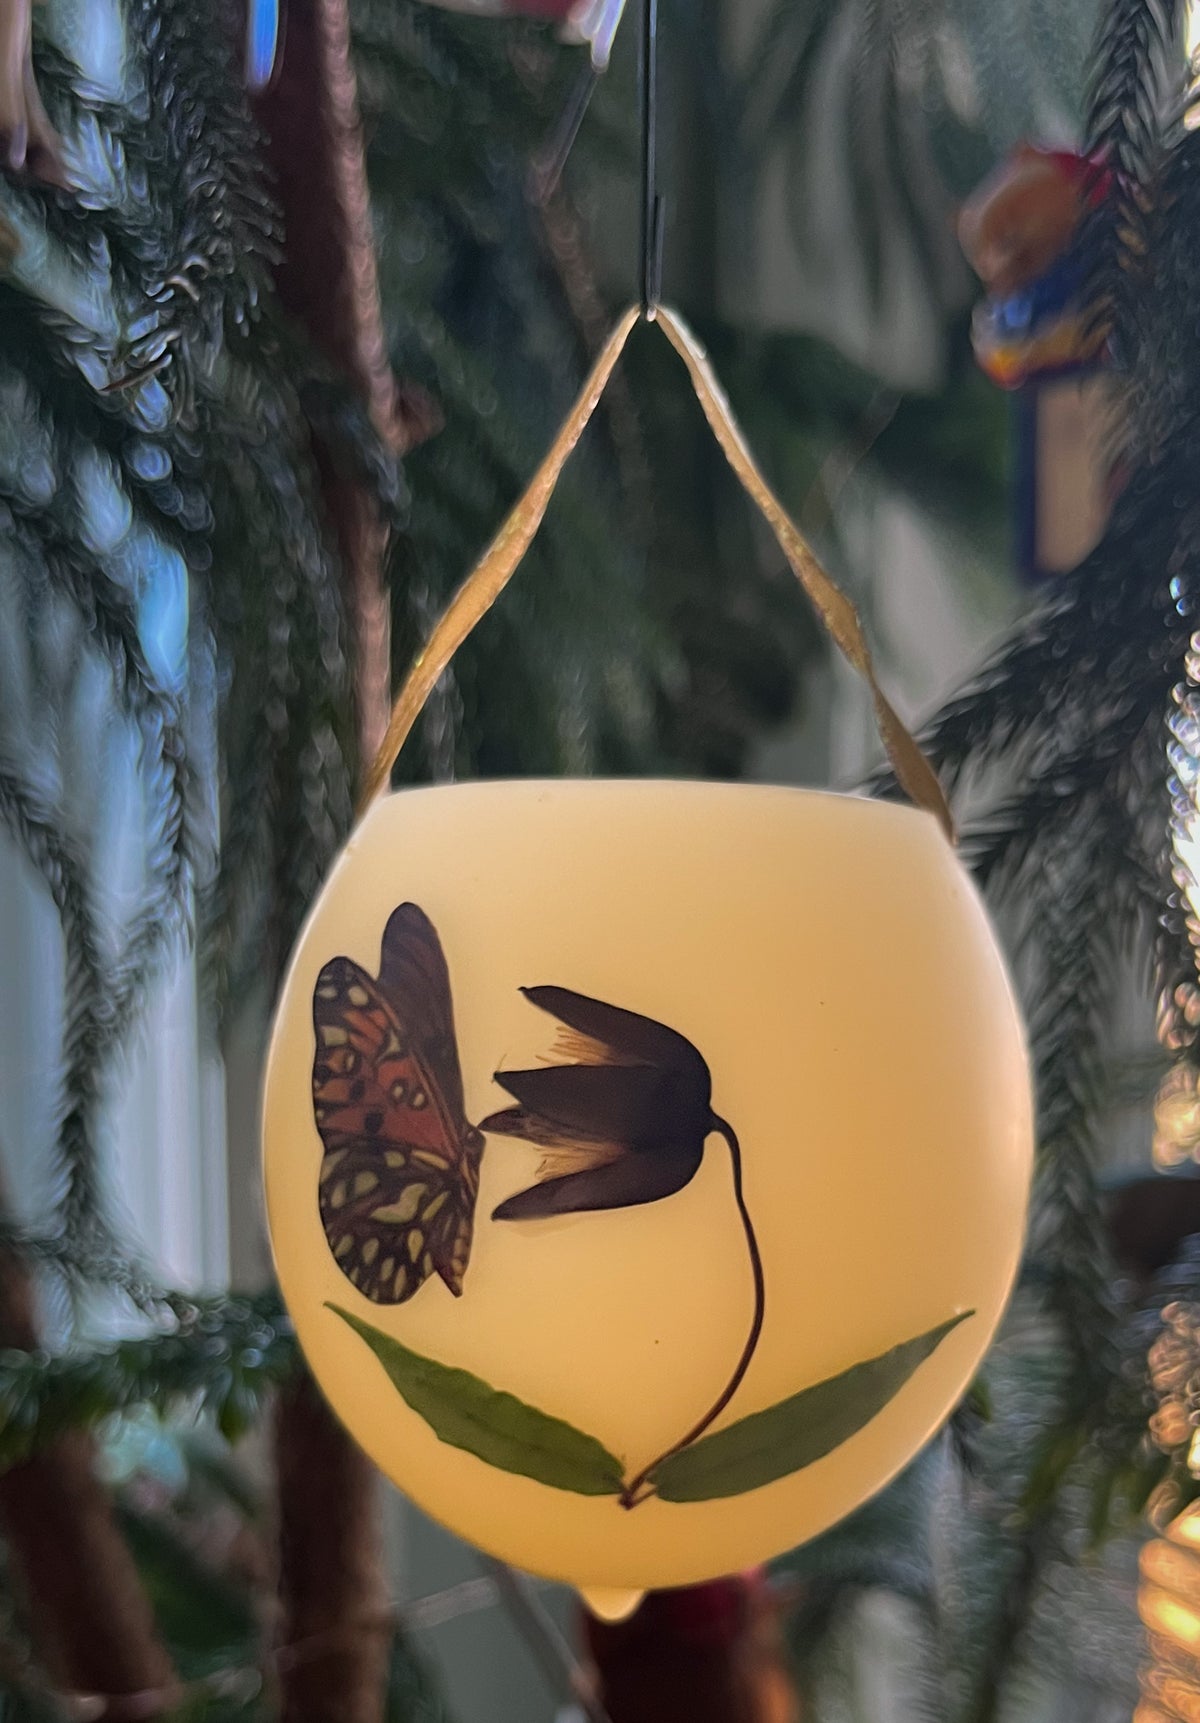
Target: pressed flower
623, 1120
623, 1123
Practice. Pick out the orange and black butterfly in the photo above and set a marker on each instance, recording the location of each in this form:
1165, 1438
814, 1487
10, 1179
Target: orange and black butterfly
401, 1168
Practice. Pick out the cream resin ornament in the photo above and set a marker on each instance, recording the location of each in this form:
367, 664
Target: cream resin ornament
646, 1162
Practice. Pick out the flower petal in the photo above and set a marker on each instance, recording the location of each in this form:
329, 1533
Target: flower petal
634, 1104
520, 1122
626, 1183
636, 1038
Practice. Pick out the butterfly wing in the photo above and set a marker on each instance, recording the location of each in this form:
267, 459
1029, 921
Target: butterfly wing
400, 1173
414, 976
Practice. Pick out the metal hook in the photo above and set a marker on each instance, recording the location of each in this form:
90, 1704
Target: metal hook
653, 206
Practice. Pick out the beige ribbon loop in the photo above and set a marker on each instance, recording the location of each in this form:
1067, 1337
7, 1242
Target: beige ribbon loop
487, 580
491, 575
913, 771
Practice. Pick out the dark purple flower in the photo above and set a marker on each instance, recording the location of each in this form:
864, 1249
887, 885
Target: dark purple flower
624, 1122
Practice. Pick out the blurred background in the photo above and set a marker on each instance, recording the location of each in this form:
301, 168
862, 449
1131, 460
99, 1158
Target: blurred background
183, 707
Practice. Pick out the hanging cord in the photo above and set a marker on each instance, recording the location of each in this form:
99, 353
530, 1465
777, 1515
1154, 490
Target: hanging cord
483, 586
653, 205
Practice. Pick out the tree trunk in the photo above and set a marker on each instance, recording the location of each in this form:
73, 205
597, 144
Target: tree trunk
92, 1626
336, 1623
329, 282
336, 1613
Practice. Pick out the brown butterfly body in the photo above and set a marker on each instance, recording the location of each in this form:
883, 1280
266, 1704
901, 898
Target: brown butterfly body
400, 1173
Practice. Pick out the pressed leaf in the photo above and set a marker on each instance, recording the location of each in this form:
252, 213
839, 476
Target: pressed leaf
792, 1434
469, 1413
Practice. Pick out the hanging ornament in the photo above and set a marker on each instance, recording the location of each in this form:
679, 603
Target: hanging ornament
646, 1162
1025, 234
1020, 231
1168, 1600
1169, 1584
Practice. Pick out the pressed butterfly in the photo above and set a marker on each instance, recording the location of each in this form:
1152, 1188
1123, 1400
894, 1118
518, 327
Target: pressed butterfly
401, 1168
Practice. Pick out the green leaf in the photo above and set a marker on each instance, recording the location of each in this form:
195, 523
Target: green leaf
469, 1413
791, 1435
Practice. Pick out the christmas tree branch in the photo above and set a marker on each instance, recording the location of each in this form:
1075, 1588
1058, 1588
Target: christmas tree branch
221, 1357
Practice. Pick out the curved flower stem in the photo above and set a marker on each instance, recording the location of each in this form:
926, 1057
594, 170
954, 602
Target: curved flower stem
639, 1489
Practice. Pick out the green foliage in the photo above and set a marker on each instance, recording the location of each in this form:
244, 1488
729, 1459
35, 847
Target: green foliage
157, 499
1137, 75
220, 1357
1061, 741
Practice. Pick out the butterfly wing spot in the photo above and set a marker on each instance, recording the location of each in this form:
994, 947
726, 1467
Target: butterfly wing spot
404, 1209
387, 1268
331, 1163
333, 1035
327, 991
418, 1100
426, 1265
370, 1250
364, 1183
340, 1062
415, 1243
393, 1158
344, 1245
439, 1202
401, 1284
429, 1159
399, 1090
337, 1196
358, 995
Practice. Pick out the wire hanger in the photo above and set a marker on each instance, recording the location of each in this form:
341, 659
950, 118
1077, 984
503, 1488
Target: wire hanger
653, 203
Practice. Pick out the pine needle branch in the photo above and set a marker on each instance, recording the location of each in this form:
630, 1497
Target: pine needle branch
220, 1357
